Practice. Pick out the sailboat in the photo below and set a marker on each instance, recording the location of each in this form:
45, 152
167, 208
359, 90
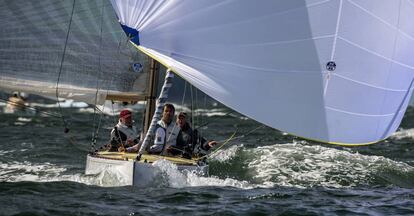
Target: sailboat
338, 72
77, 50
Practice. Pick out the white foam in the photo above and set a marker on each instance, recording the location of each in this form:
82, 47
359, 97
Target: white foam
298, 165
172, 176
69, 103
178, 179
403, 134
3, 152
292, 164
227, 154
113, 109
202, 112
26, 171
22, 119
197, 181
48, 172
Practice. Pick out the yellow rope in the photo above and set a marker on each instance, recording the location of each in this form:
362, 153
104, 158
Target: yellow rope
218, 148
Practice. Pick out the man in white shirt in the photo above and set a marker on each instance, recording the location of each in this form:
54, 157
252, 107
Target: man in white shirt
166, 132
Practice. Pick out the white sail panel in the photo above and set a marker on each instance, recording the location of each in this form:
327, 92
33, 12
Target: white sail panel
268, 59
33, 40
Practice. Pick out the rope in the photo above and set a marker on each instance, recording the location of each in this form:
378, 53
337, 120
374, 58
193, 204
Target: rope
96, 131
218, 148
206, 123
60, 69
185, 90
192, 106
232, 137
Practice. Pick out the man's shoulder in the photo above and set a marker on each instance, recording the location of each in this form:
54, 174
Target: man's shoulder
160, 123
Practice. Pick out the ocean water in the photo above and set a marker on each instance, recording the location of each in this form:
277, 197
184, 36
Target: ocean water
262, 172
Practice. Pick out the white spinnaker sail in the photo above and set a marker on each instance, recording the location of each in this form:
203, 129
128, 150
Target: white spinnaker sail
32, 42
268, 59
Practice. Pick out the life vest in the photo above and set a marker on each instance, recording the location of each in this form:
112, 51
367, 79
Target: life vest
123, 132
165, 136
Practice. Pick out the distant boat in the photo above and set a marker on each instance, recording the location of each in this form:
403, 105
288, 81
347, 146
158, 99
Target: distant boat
15, 104
338, 72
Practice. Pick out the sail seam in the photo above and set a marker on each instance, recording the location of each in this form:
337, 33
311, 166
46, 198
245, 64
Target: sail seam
281, 42
359, 114
236, 65
399, 109
411, 2
248, 20
336, 30
328, 74
370, 85
377, 54
381, 20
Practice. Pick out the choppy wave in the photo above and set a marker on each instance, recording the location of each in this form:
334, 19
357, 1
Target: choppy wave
113, 109
63, 104
292, 165
303, 165
403, 134
27, 171
48, 172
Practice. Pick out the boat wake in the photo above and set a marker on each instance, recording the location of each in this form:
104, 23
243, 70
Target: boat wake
304, 165
291, 165
26, 171
47, 172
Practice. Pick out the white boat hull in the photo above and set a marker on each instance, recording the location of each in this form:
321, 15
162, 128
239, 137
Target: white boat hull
132, 172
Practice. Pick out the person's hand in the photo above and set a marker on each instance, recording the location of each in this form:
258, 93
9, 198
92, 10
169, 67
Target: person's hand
121, 149
212, 143
130, 142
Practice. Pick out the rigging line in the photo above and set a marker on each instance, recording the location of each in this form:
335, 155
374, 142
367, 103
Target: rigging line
202, 122
232, 137
66, 130
218, 148
185, 90
96, 131
113, 112
206, 123
120, 45
196, 108
192, 106
116, 122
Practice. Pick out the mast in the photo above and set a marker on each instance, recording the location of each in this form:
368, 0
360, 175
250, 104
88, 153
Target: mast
162, 99
153, 84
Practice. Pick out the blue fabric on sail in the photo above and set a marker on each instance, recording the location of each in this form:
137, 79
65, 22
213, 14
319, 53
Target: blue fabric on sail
131, 33
332, 71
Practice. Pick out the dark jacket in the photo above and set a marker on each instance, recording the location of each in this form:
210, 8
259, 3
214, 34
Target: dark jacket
189, 141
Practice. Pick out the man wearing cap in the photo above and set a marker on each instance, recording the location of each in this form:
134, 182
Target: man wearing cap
189, 140
124, 133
